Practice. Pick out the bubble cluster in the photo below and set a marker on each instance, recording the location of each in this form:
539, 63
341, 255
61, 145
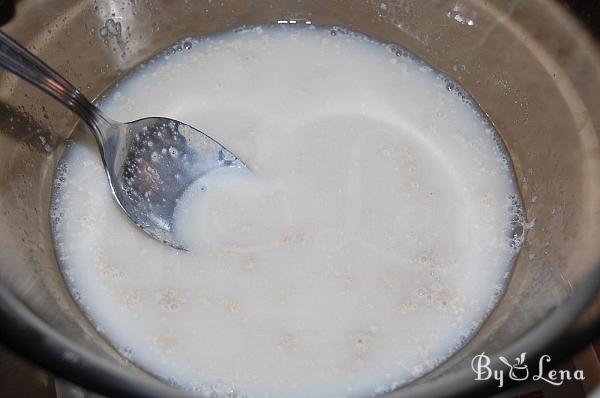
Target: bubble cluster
518, 223
110, 28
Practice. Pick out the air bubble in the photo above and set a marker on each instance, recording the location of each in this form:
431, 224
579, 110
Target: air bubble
126, 352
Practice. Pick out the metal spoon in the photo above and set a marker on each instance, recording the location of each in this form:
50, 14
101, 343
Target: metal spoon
149, 162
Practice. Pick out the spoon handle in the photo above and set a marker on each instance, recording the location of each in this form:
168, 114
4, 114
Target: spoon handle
24, 64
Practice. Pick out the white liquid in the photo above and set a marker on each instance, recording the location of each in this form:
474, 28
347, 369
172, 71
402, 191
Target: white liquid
369, 241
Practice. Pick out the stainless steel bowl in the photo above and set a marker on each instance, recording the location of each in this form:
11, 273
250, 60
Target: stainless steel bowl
531, 68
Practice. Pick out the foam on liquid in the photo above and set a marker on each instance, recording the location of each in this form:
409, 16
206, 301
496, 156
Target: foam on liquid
370, 239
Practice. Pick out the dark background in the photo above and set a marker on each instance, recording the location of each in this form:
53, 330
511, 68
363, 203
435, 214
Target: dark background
588, 11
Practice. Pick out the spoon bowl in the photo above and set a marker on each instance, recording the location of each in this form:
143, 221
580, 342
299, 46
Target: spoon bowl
149, 162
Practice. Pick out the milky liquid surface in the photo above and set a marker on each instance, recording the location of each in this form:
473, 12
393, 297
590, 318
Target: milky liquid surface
369, 240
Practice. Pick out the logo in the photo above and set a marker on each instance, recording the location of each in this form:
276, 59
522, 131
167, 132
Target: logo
518, 370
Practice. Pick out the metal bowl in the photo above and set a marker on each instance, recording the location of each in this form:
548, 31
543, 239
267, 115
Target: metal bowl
529, 66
